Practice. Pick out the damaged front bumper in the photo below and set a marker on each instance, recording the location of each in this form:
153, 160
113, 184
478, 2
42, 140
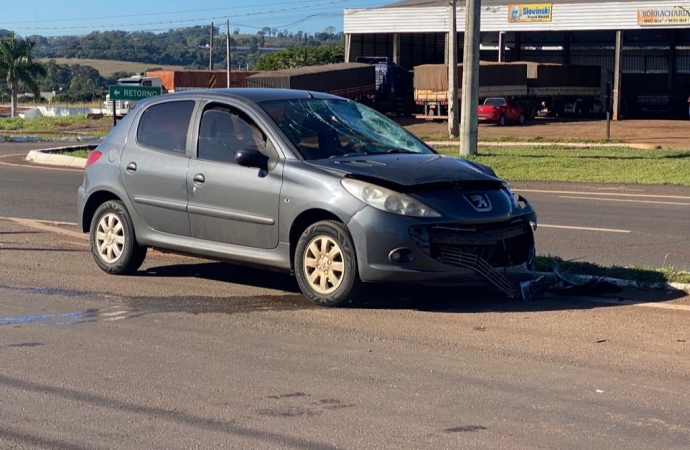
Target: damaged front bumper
394, 248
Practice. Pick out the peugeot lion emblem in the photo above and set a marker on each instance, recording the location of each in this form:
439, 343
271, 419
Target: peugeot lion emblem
480, 202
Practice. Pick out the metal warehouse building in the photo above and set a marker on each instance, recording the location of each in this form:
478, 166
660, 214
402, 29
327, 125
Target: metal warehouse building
645, 43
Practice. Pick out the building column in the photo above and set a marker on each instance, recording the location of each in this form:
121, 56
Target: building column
518, 46
396, 48
566, 48
617, 75
348, 47
501, 46
445, 50
671, 59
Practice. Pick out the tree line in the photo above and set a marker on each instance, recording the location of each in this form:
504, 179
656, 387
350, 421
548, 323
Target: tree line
186, 47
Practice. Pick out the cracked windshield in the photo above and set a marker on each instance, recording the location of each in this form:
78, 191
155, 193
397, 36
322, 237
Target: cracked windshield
335, 128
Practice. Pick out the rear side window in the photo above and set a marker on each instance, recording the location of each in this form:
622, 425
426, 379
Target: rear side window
164, 126
495, 102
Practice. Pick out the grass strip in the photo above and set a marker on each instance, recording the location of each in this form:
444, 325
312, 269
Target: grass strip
51, 124
594, 164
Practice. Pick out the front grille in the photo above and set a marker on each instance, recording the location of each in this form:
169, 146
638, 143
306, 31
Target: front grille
501, 244
476, 234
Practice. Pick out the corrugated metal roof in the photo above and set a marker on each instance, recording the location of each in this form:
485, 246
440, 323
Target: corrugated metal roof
570, 15
426, 3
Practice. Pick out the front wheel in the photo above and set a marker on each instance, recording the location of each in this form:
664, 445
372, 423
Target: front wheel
113, 244
326, 265
521, 119
501, 121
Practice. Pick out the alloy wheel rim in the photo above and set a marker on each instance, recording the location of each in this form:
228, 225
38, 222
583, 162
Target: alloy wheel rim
110, 238
324, 265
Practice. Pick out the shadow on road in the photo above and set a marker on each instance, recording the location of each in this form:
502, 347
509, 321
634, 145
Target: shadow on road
381, 297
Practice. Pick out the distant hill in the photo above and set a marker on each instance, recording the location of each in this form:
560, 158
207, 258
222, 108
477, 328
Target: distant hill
107, 67
186, 47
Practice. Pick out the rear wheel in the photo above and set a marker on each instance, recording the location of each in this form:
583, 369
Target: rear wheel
326, 265
113, 244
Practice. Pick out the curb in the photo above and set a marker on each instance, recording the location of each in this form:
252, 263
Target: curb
642, 285
48, 156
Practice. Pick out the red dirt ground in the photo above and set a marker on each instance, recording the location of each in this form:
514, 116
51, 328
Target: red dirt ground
664, 133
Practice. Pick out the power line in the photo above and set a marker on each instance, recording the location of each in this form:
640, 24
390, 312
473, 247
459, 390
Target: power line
183, 21
160, 13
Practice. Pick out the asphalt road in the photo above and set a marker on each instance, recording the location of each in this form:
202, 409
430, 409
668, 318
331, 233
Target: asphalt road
192, 354
189, 354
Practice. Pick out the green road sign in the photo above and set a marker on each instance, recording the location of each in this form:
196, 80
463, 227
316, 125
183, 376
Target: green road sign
123, 92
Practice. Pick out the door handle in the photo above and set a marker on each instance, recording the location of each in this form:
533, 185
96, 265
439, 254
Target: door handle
132, 167
199, 178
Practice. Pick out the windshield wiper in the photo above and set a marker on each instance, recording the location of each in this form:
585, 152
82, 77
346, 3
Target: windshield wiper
349, 155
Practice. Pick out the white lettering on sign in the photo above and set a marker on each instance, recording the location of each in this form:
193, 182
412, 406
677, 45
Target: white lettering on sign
140, 93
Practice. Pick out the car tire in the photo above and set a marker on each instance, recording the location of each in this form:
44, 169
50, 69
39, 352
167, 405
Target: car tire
521, 119
113, 243
326, 265
501, 121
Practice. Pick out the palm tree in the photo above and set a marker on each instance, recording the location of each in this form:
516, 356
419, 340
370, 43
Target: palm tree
17, 66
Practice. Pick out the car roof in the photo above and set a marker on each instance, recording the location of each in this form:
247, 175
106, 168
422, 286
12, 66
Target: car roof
255, 94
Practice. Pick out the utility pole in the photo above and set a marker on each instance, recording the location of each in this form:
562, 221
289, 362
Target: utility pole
470, 80
227, 51
453, 125
210, 50
617, 75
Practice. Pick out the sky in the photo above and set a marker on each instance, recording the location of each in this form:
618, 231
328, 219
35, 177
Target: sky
80, 17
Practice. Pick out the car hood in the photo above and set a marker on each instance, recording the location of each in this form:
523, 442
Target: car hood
406, 170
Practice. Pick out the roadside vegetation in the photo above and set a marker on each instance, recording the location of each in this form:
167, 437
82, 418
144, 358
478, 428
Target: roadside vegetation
56, 126
594, 164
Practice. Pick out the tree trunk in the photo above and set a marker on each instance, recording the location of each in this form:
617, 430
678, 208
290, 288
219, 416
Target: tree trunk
13, 110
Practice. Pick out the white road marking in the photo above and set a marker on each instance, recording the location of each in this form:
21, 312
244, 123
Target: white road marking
56, 222
624, 200
41, 225
112, 319
38, 225
607, 194
659, 305
566, 227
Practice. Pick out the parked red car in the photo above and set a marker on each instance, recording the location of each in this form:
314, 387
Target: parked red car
500, 111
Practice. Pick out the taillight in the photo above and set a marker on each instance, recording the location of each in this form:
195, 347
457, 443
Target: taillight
93, 157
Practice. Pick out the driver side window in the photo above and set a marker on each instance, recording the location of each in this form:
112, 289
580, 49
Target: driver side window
224, 131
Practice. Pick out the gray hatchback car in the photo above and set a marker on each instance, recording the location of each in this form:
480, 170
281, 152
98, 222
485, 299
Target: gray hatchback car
309, 183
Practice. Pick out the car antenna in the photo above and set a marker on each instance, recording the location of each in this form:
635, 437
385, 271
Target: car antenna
310, 95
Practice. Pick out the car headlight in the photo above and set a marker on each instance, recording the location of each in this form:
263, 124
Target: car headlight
387, 200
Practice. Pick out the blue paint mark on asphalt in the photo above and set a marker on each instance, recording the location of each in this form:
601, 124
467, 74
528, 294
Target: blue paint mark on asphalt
45, 291
56, 324
48, 319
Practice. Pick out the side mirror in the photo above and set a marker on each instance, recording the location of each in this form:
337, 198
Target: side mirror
251, 157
